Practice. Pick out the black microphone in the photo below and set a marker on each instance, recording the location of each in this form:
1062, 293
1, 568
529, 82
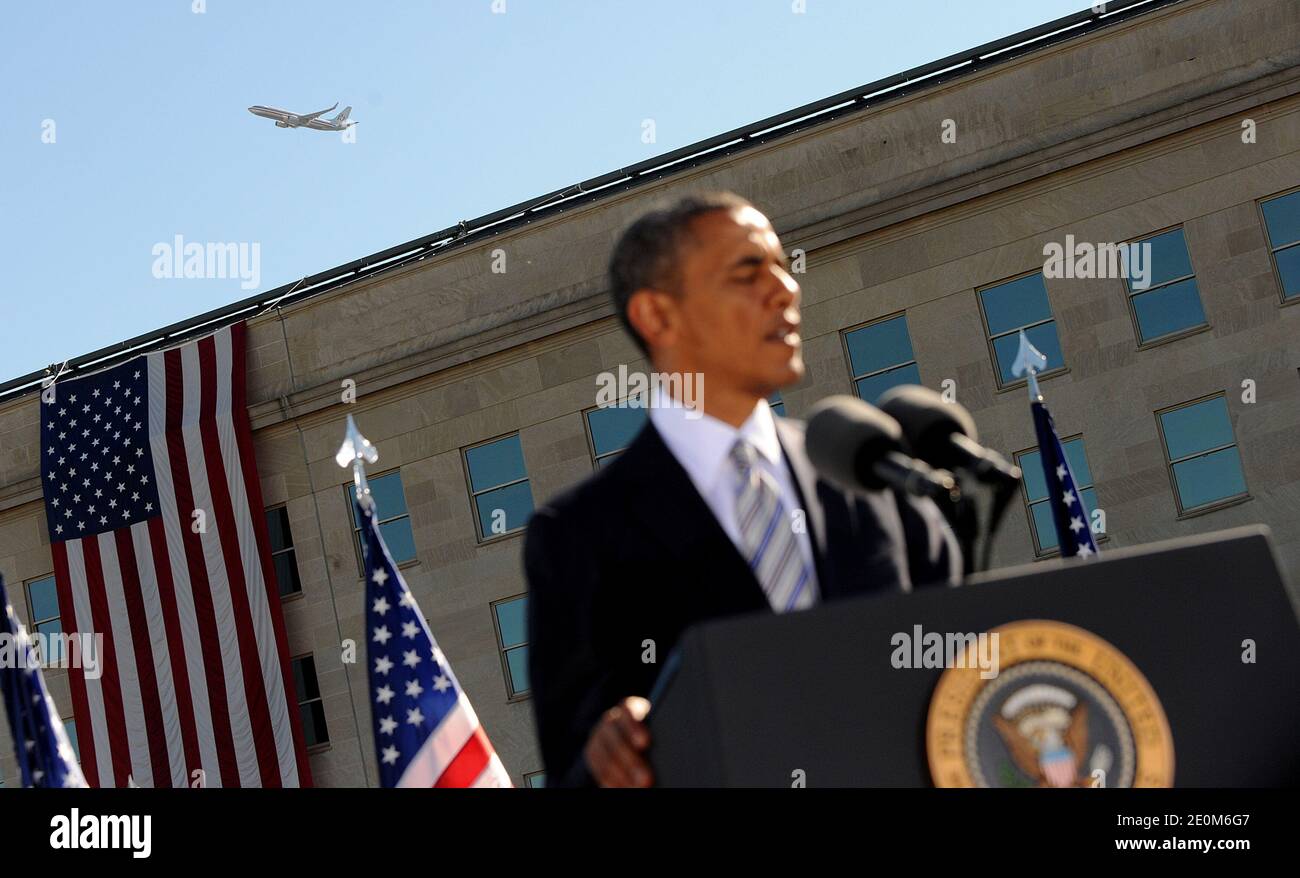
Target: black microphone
943, 434
858, 446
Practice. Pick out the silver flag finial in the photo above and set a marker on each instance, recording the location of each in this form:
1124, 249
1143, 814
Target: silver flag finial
356, 451
1029, 361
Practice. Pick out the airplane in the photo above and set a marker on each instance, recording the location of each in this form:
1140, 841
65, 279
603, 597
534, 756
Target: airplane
285, 119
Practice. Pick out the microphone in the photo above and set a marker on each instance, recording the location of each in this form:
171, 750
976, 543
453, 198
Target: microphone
859, 446
943, 434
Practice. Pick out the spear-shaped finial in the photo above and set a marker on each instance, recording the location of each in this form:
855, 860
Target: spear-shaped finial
1029, 361
356, 451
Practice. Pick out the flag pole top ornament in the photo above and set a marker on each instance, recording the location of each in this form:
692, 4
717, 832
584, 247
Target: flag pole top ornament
356, 451
1029, 361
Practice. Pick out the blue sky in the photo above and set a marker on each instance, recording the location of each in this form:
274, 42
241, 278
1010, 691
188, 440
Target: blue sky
461, 112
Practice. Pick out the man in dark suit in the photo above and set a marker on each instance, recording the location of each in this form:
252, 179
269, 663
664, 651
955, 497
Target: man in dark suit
711, 511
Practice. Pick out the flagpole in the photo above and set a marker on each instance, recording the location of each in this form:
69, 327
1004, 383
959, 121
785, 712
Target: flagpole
356, 451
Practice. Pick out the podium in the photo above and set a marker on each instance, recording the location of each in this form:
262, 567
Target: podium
1175, 663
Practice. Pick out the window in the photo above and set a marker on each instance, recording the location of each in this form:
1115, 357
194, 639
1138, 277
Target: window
70, 726
510, 617
1039, 504
1282, 219
310, 706
1010, 307
394, 522
612, 429
43, 613
880, 357
776, 404
535, 780
1202, 454
1165, 302
282, 554
498, 484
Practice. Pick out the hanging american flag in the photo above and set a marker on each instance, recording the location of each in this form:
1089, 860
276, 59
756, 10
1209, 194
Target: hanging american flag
45, 755
426, 731
1073, 533
160, 545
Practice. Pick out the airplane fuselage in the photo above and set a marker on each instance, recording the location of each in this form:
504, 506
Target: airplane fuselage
285, 119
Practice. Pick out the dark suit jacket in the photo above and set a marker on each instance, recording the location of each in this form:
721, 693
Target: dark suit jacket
634, 554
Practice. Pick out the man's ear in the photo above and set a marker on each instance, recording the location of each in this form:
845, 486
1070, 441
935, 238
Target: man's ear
654, 316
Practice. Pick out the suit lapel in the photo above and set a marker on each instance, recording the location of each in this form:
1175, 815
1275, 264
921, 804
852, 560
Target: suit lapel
681, 525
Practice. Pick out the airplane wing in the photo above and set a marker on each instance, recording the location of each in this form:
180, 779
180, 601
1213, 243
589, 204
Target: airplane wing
308, 117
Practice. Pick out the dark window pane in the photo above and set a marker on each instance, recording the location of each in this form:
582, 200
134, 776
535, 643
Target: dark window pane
613, 429
1168, 309
70, 725
871, 388
1213, 477
304, 678
776, 404
496, 463
1016, 304
55, 650
277, 522
1043, 526
44, 597
313, 723
1282, 215
512, 619
1288, 265
1197, 427
397, 536
1042, 337
517, 660
879, 346
1089, 504
536, 781
389, 498
1078, 461
607, 459
1169, 259
286, 573
516, 501
1031, 465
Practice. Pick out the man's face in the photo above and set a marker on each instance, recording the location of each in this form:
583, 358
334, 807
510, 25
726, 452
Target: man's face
737, 307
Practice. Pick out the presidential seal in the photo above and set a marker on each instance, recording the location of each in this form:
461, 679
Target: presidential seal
1066, 709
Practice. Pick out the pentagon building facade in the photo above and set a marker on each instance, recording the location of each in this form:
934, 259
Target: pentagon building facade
1180, 125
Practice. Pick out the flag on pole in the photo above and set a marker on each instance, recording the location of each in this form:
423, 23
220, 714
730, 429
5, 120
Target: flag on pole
45, 755
1069, 516
160, 545
426, 731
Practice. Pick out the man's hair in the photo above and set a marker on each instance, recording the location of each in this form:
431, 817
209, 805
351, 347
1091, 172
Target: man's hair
647, 254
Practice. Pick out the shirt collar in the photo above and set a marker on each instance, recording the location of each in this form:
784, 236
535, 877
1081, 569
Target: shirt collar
701, 442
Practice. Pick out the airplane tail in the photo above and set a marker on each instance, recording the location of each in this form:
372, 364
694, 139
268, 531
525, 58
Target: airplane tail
343, 117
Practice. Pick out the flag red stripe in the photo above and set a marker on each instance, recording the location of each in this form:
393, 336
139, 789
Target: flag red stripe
259, 715
209, 635
159, 762
110, 683
76, 675
469, 762
253, 487
175, 647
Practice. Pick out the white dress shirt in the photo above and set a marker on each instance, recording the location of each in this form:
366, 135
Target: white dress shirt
702, 445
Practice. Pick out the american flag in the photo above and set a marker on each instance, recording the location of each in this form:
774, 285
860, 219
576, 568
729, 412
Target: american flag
45, 755
160, 544
1073, 531
426, 731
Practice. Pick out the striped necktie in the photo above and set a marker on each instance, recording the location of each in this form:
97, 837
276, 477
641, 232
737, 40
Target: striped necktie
767, 535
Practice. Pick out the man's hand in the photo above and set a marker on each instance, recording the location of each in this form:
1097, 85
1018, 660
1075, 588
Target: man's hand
614, 750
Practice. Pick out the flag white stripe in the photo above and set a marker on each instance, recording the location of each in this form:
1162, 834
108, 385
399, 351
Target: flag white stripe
255, 584
441, 747
85, 622
172, 524
162, 666
494, 775
218, 579
128, 677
